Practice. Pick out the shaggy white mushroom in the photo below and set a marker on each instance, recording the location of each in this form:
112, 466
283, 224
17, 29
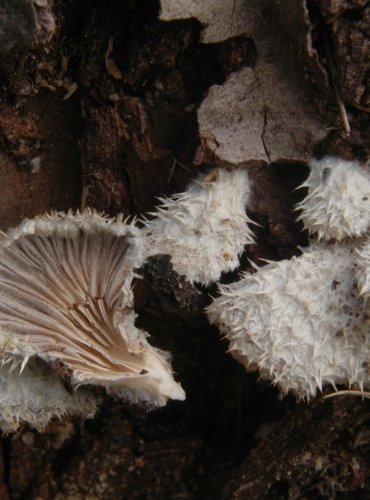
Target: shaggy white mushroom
66, 300
204, 229
34, 393
299, 321
338, 201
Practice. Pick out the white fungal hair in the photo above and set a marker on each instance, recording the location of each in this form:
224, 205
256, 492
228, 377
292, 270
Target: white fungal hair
31, 391
65, 296
300, 322
204, 229
338, 201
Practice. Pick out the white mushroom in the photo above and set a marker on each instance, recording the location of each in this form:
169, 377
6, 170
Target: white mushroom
65, 297
338, 201
300, 322
34, 393
204, 229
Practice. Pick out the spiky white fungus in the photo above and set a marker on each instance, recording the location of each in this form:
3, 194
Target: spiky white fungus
65, 297
205, 228
34, 393
363, 272
299, 321
338, 201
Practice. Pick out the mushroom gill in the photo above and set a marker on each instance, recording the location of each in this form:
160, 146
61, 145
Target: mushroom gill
65, 297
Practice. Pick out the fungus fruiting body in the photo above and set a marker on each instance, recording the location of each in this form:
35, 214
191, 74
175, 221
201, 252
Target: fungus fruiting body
204, 229
34, 393
299, 321
65, 298
338, 201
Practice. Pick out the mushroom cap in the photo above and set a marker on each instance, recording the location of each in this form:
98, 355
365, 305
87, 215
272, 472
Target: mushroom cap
299, 321
338, 201
65, 296
204, 229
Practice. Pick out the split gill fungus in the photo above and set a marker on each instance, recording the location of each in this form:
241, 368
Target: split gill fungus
66, 300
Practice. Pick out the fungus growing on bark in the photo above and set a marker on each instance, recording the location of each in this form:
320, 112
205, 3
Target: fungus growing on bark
338, 201
66, 300
34, 393
204, 229
299, 321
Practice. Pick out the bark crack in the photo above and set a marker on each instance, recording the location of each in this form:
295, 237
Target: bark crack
260, 89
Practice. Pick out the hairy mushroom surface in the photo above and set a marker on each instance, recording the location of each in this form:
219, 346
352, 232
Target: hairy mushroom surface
66, 299
338, 201
204, 229
34, 393
300, 322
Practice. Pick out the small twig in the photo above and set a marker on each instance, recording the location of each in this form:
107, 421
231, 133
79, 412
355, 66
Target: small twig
349, 392
342, 109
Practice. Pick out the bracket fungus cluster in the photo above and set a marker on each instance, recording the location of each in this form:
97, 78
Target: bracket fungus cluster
205, 229
304, 322
66, 311
66, 304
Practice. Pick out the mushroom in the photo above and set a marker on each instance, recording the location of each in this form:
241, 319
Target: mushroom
338, 201
204, 229
33, 392
303, 322
66, 305
300, 322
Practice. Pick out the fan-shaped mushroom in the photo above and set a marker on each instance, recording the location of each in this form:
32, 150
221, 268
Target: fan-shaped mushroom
300, 322
204, 229
65, 298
